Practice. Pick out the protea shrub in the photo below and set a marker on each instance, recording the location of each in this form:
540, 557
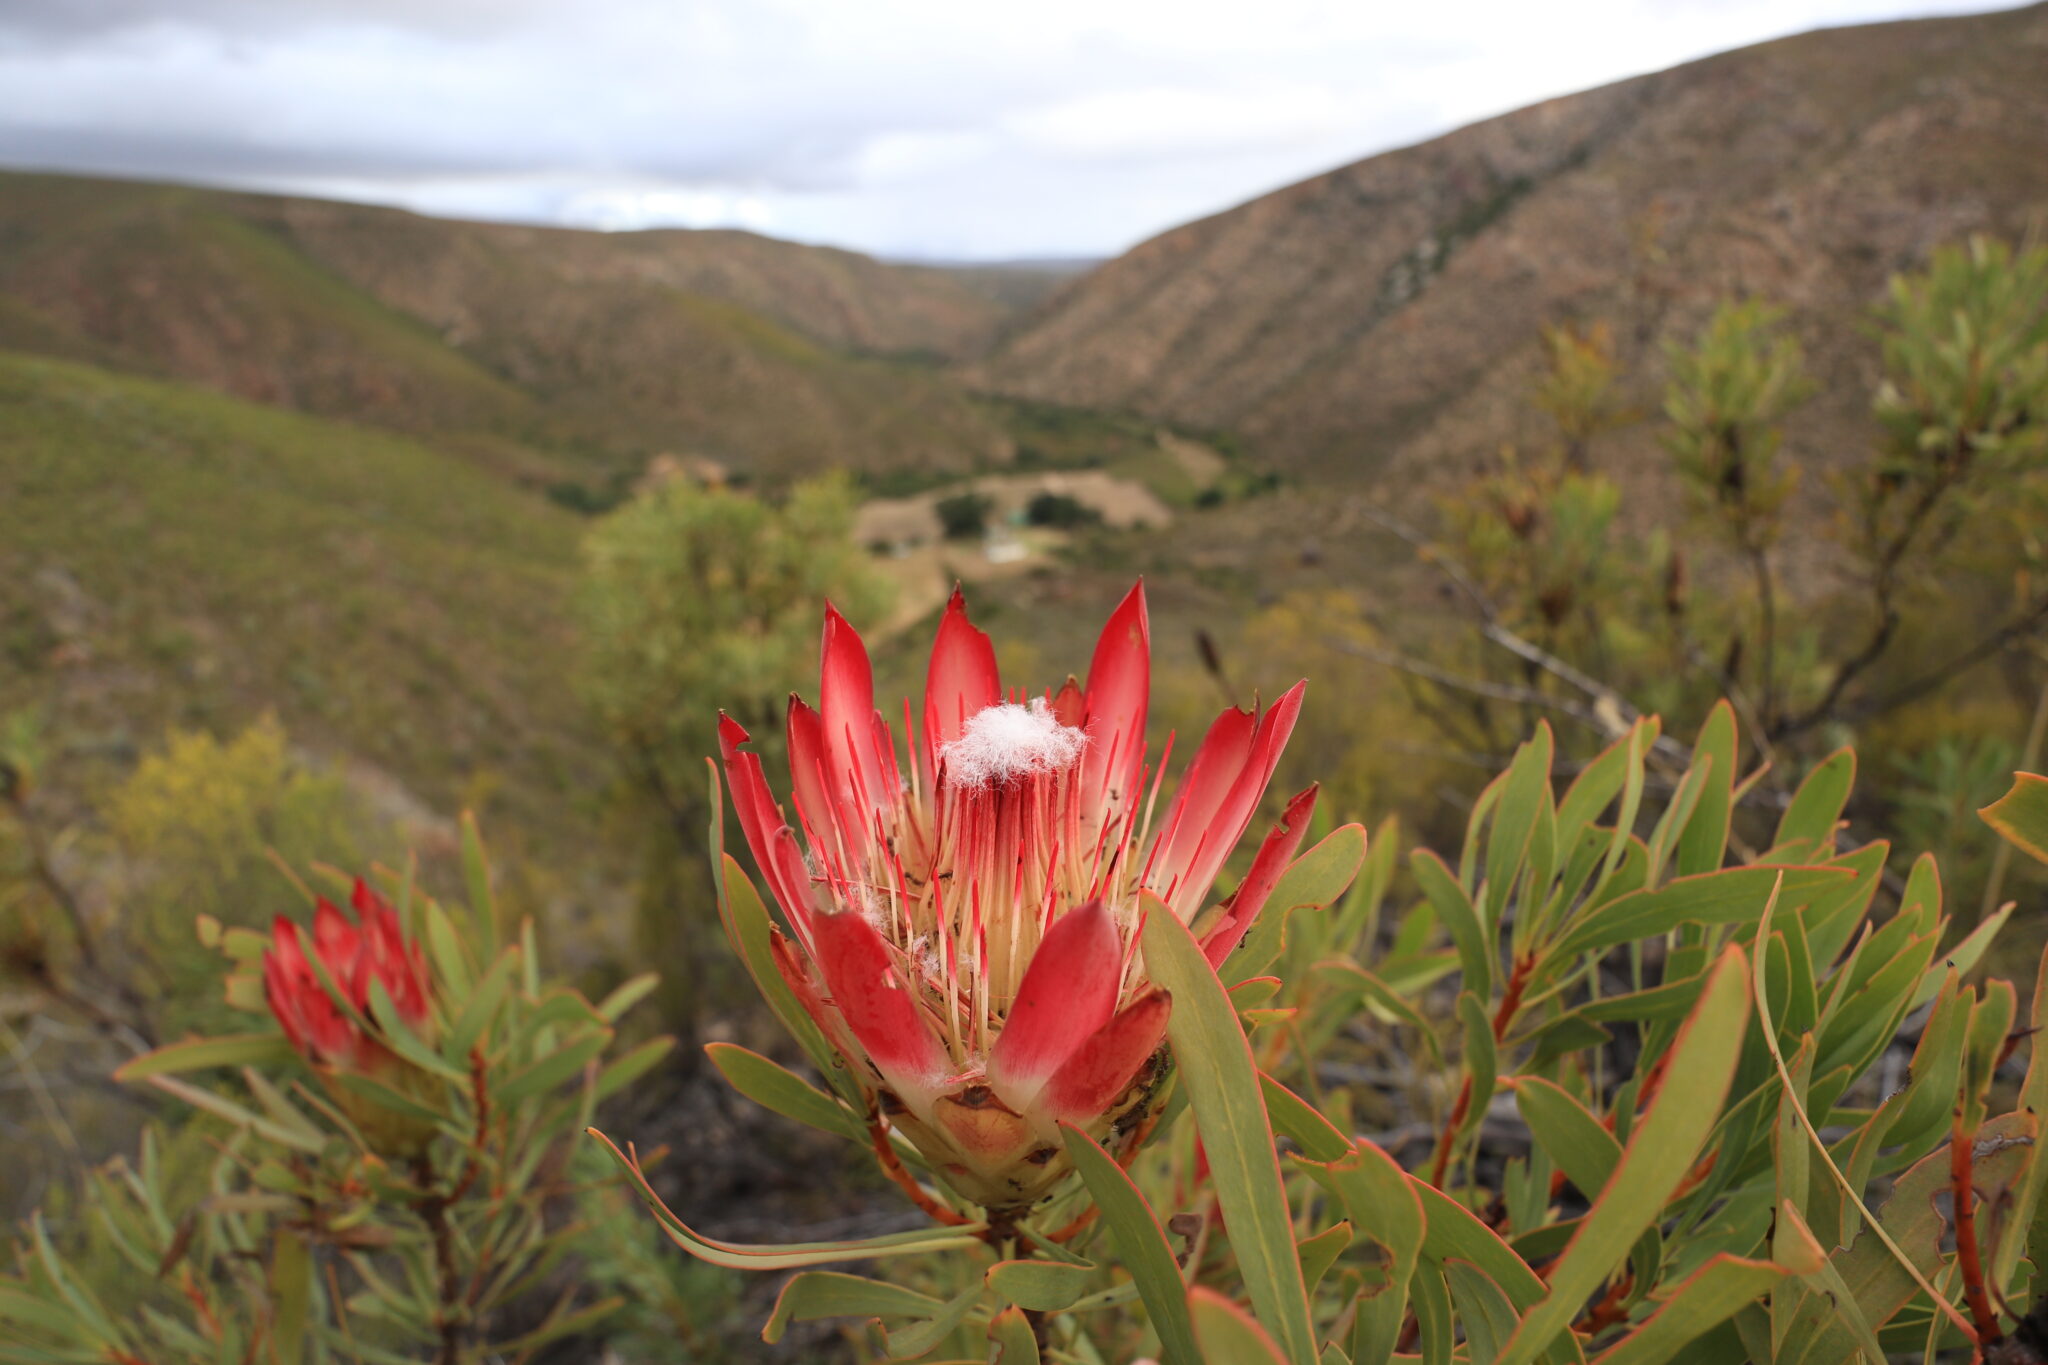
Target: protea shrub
965, 910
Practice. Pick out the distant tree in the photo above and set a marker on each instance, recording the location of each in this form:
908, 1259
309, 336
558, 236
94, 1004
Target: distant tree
964, 516
1060, 511
697, 601
1726, 400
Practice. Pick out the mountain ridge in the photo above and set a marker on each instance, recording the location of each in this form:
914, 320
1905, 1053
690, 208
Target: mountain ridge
1384, 315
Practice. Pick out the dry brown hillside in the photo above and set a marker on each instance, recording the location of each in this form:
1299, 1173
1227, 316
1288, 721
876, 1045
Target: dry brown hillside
1383, 318
578, 351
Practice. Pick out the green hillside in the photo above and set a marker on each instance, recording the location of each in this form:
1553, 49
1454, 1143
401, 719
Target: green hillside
574, 355
173, 556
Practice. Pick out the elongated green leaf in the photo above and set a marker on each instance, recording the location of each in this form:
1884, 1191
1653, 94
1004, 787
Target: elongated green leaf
1734, 895
1294, 1117
1041, 1286
1514, 821
1482, 1061
557, 1326
223, 1107
449, 953
1319, 1252
627, 994
1483, 1311
920, 1338
1222, 1082
621, 1072
555, 1068
195, 1054
1381, 1201
1460, 919
291, 1294
1009, 1332
773, 1087
1349, 978
1660, 1152
1228, 1334
795, 1255
2033, 1099
1707, 1298
819, 1294
1817, 806
1140, 1244
2021, 815
1580, 1145
481, 1004
1705, 837
1453, 1232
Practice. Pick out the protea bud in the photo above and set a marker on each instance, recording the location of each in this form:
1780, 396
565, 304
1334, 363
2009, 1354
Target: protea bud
967, 921
373, 949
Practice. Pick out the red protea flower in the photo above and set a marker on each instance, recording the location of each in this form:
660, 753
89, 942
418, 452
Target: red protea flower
967, 920
372, 949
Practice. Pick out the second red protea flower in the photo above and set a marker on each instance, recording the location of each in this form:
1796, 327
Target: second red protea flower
966, 921
356, 954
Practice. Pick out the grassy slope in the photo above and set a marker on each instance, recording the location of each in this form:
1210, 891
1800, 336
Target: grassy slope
582, 356
390, 602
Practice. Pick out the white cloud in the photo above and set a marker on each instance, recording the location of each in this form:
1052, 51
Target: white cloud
923, 128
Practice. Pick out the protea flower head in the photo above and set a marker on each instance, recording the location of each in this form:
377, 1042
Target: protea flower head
966, 920
371, 949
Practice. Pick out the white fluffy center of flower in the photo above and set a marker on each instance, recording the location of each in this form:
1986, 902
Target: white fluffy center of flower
1006, 741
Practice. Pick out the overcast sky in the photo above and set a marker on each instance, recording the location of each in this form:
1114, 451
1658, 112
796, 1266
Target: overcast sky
933, 129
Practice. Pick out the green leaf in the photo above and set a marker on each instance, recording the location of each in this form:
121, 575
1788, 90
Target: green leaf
291, 1295
1579, 1143
1705, 837
1380, 1200
627, 994
1707, 1298
1514, 821
908, 1343
1660, 1153
451, 956
1228, 1334
1041, 1286
194, 1054
781, 1091
1817, 806
1014, 1341
2033, 1099
1294, 1117
621, 1072
1318, 1253
1460, 919
1348, 979
1482, 1061
1312, 881
794, 1255
1483, 1311
817, 1294
1734, 895
555, 1068
751, 930
1140, 1244
223, 1107
2021, 815
1216, 1069
476, 876
481, 1004
401, 1039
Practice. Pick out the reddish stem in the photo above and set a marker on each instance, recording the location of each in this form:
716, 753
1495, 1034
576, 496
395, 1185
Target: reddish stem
1969, 1258
892, 1166
1503, 1016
